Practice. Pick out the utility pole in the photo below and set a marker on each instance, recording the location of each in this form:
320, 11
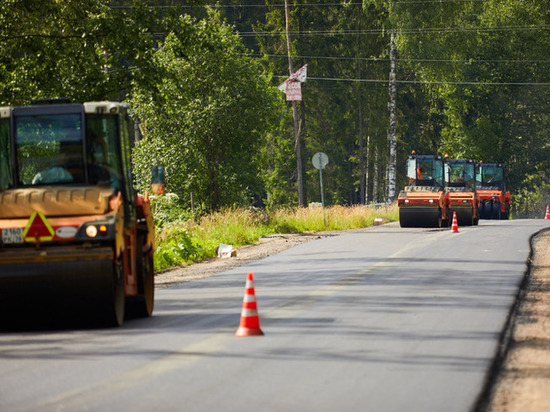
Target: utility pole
362, 158
392, 138
362, 168
297, 143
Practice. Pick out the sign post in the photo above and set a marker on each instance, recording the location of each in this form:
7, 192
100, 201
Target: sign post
320, 160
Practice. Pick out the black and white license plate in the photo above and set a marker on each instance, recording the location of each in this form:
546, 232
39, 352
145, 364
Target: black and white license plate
12, 235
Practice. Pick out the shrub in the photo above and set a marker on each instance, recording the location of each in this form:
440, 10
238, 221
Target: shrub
181, 239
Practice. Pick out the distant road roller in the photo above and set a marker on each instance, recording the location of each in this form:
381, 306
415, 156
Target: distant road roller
461, 191
494, 200
424, 202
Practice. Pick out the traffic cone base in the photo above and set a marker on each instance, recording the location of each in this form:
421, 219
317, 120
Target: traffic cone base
250, 321
454, 228
547, 216
244, 331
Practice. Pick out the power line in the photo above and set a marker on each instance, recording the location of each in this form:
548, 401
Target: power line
281, 5
383, 60
464, 83
423, 30
436, 1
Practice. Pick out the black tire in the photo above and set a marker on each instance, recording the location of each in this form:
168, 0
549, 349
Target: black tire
404, 220
142, 305
481, 211
496, 211
473, 221
114, 305
418, 218
468, 219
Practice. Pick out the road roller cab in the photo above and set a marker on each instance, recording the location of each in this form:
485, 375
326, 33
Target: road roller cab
423, 202
461, 191
72, 227
494, 200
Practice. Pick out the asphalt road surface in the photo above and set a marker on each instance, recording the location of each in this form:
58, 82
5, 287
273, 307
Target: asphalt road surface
389, 319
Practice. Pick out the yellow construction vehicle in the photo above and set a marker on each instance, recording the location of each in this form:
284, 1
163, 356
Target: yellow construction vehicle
72, 227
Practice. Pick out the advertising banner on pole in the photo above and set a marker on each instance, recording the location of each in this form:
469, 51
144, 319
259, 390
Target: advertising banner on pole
292, 86
294, 91
300, 75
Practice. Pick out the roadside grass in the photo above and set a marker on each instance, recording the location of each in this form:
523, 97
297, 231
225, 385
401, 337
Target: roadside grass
185, 240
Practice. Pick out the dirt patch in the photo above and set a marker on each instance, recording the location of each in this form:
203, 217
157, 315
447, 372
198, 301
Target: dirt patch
523, 382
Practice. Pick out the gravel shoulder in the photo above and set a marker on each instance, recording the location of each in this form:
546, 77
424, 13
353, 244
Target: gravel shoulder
523, 381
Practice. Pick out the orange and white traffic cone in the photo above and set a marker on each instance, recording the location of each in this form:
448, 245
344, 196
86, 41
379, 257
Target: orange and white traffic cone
454, 227
250, 321
547, 212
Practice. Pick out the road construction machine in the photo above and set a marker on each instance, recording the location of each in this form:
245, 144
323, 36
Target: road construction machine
72, 227
494, 200
424, 202
461, 191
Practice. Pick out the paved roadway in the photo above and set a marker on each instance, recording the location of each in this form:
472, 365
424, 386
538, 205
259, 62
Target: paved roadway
384, 320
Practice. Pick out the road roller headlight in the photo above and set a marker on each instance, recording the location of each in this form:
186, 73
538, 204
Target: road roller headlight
103, 229
91, 231
464, 201
431, 201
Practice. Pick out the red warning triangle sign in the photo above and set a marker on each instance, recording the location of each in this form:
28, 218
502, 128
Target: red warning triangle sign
38, 229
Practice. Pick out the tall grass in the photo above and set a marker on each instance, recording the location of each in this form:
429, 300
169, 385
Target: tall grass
185, 241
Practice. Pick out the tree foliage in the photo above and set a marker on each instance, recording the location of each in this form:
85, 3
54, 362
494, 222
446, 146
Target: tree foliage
81, 49
205, 114
329, 39
484, 68
473, 81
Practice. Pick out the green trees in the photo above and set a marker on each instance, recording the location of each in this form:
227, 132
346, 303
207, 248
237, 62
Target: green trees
79, 49
473, 81
205, 106
206, 112
340, 114
484, 67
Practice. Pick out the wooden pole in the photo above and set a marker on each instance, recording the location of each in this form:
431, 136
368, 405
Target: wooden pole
297, 143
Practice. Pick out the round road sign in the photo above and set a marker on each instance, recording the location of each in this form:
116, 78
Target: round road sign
319, 160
